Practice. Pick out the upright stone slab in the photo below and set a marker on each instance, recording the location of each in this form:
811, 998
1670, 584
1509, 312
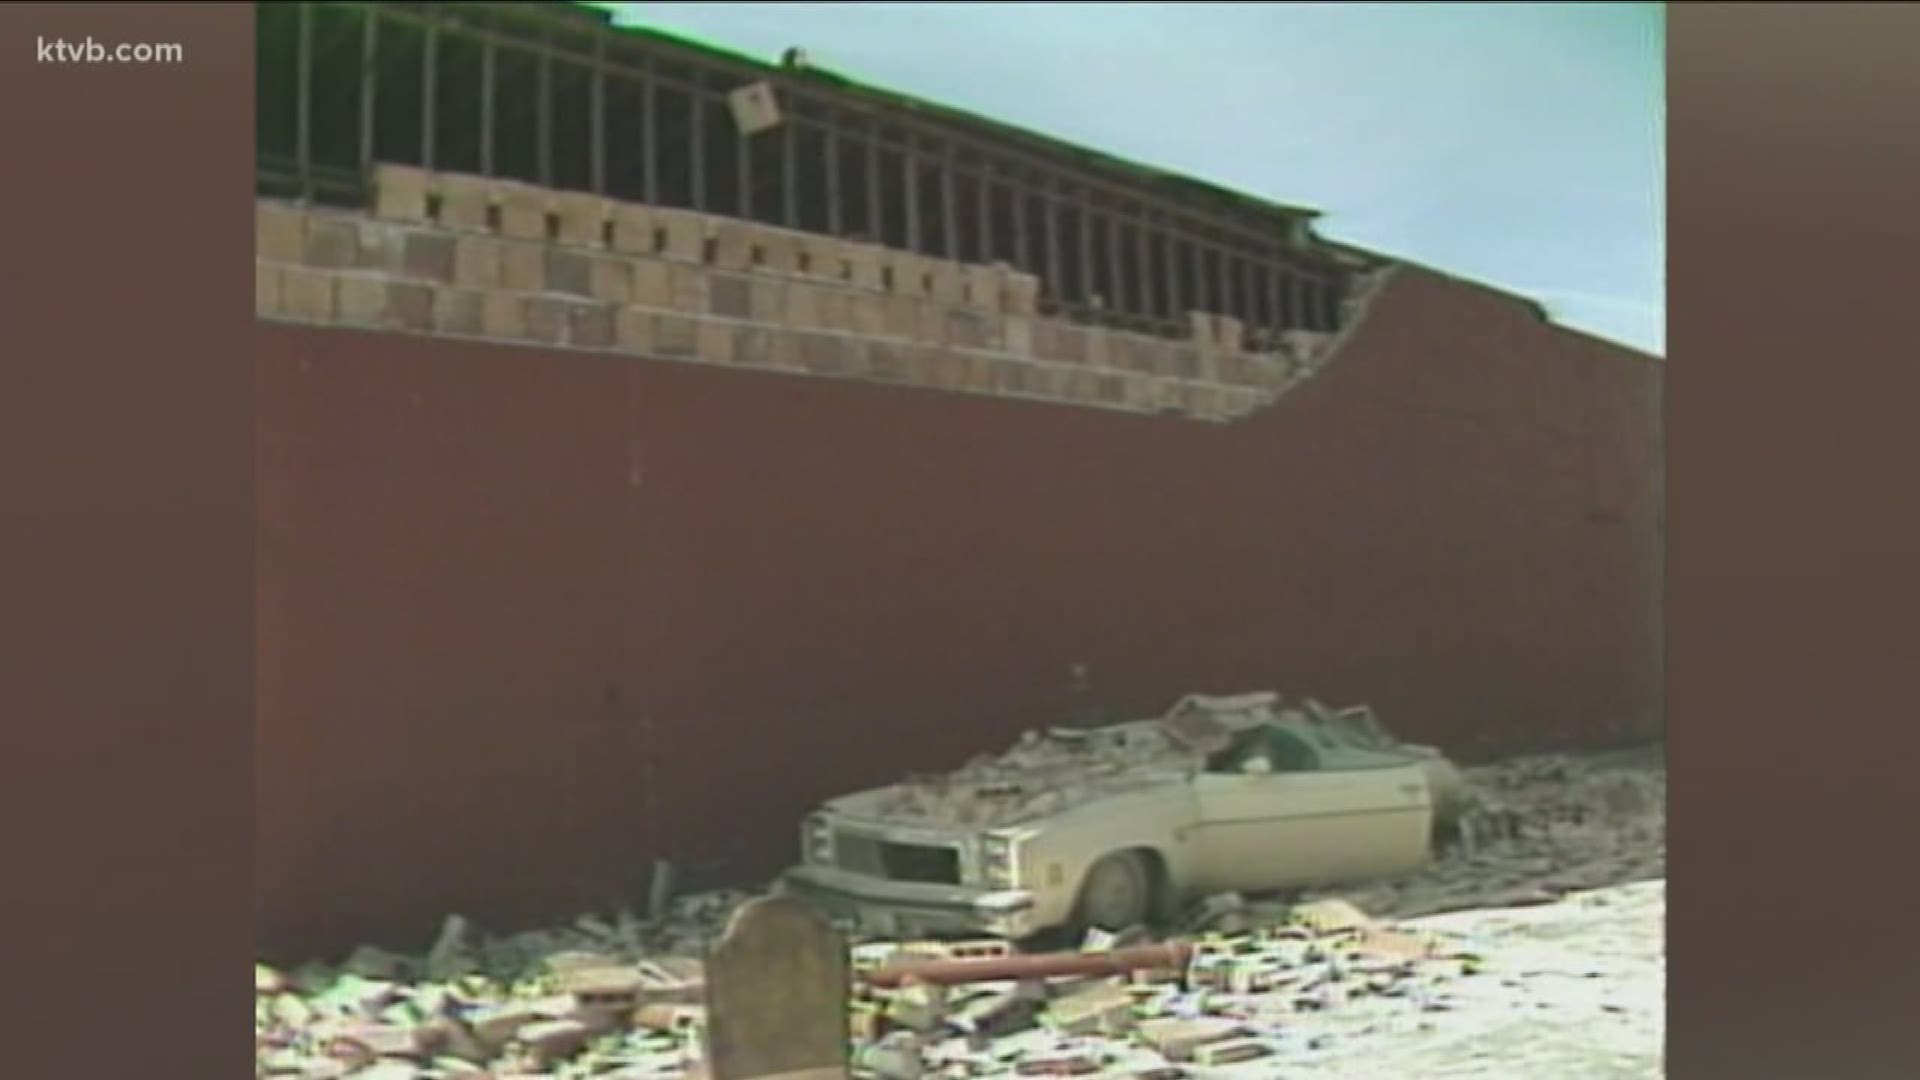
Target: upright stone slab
777, 996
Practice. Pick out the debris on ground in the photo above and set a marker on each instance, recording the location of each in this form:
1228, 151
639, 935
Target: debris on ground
1535, 945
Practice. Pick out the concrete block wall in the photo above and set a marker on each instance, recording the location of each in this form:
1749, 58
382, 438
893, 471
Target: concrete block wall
464, 257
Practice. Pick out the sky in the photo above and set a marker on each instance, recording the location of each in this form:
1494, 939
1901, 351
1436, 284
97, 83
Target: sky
1521, 145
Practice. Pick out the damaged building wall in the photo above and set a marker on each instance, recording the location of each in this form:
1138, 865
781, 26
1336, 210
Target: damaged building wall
532, 617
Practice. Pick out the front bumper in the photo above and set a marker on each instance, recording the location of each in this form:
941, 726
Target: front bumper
893, 909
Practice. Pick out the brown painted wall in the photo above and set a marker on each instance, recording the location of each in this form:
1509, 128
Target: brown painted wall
529, 619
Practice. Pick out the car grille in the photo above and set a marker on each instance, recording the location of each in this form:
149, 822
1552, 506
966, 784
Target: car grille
929, 864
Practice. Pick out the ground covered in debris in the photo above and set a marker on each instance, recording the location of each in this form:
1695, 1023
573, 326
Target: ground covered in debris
1534, 948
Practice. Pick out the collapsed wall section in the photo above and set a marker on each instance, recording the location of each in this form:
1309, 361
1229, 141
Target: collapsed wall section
535, 611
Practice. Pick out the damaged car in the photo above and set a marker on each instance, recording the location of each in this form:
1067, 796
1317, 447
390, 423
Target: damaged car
1123, 825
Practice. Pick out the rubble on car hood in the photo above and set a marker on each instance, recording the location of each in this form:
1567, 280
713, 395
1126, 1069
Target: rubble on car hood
1054, 770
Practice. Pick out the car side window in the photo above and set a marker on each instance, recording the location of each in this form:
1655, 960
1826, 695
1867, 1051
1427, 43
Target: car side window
1290, 753
1234, 756
1284, 752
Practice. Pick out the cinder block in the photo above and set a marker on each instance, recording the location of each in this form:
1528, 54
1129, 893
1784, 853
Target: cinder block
266, 289
569, 272
633, 330
1052, 381
308, 295
840, 308
411, 304
689, 288
1156, 355
1150, 355
1200, 328
1021, 295
985, 286
384, 303
929, 321
279, 233
504, 315
824, 354
735, 245
855, 359
755, 108
477, 262
380, 246
466, 202
971, 328
548, 320
783, 348
766, 300
591, 325
1016, 332
633, 227
894, 361
948, 283
1084, 386
836, 309
676, 335
868, 312
1183, 362
867, 265
524, 210
982, 373
524, 267
900, 315
652, 283
1045, 334
751, 345
936, 367
783, 252
429, 256
684, 233
1098, 339
1069, 343
583, 218
1199, 401
459, 311
331, 243
826, 258
1031, 379
362, 301
400, 193
803, 305
909, 274
611, 279
714, 341
729, 295
1229, 333
1146, 393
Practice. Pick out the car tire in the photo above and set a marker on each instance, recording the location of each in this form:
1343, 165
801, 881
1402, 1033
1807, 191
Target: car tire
1116, 894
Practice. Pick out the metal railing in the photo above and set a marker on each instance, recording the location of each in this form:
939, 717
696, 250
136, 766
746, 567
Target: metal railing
549, 94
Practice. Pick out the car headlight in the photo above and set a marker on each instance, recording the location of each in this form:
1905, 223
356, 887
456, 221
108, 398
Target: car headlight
999, 864
816, 840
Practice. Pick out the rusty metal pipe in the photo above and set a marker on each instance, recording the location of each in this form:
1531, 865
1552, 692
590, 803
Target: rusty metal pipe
1042, 966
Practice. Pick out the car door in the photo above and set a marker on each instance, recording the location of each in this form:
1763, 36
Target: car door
1302, 824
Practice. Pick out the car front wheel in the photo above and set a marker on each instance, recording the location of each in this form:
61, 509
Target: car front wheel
1117, 893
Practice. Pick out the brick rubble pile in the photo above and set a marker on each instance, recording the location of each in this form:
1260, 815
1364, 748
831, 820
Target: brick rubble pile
1270, 980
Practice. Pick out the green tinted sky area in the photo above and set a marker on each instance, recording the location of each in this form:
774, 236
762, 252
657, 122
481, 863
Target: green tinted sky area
1518, 144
